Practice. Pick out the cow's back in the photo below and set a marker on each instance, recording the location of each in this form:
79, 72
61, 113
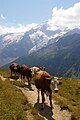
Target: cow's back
41, 80
25, 71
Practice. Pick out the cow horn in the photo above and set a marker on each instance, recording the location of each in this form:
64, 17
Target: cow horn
56, 78
48, 78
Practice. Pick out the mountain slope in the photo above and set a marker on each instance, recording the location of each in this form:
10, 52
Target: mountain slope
14, 45
57, 51
61, 58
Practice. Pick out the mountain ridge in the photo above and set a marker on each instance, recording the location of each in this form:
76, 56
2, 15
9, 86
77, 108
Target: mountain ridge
57, 50
28, 41
60, 59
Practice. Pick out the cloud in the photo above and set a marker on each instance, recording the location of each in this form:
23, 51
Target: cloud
17, 29
61, 18
65, 17
2, 17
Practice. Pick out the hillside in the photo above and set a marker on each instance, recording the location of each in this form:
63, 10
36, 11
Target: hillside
66, 102
14, 45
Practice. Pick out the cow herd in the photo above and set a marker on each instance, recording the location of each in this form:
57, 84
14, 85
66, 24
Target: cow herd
44, 82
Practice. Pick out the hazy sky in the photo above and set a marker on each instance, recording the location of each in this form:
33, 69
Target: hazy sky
17, 12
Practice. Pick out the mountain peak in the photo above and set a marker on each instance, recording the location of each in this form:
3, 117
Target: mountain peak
29, 39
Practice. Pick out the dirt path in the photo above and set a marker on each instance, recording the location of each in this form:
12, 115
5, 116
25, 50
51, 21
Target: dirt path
47, 113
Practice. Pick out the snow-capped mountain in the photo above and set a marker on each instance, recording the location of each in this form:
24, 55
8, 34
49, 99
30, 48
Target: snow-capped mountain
17, 44
42, 36
7, 39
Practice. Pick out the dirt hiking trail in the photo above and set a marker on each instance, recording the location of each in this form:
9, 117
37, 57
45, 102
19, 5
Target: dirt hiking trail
47, 113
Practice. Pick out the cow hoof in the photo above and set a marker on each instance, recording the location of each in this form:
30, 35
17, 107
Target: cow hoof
30, 88
37, 100
42, 107
29, 85
52, 107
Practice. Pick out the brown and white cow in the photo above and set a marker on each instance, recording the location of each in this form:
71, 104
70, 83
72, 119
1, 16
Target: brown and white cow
15, 68
36, 69
25, 71
47, 84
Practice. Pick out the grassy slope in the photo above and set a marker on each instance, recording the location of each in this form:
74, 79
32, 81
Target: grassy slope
13, 104
5, 73
69, 96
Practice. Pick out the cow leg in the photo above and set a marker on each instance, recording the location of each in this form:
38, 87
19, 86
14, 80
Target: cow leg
15, 75
21, 78
43, 99
29, 82
50, 98
38, 96
18, 75
11, 73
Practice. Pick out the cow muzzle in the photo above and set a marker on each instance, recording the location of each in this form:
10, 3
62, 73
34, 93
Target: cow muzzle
15, 68
56, 90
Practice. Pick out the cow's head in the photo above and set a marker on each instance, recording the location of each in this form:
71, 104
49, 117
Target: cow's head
54, 84
42, 68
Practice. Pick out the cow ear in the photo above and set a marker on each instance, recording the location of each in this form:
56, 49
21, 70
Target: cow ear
60, 83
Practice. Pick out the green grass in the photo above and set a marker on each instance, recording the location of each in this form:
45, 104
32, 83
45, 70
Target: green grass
69, 96
13, 104
5, 73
